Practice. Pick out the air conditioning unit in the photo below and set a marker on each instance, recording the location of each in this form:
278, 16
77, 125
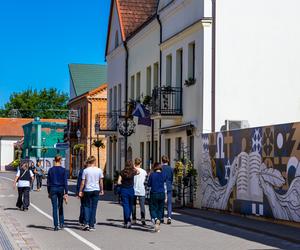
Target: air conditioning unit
235, 124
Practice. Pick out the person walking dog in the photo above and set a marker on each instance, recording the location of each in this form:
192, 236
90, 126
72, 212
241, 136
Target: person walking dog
126, 180
168, 172
23, 180
57, 186
157, 195
90, 189
139, 191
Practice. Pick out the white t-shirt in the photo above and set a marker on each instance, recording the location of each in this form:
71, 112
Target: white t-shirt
139, 183
22, 183
92, 176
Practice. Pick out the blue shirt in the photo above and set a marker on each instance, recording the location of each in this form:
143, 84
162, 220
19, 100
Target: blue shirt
156, 182
57, 177
168, 172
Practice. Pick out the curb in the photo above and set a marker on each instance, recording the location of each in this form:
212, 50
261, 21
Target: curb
252, 229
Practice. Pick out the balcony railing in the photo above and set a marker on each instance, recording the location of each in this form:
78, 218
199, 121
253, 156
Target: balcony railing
106, 122
167, 101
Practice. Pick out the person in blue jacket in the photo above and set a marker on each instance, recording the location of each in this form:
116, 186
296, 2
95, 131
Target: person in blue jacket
79, 180
168, 172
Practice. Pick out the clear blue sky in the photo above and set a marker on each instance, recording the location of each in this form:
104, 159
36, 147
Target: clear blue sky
39, 38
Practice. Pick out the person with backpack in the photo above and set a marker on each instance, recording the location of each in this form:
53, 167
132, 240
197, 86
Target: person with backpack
91, 188
23, 180
168, 172
139, 191
126, 182
57, 186
157, 195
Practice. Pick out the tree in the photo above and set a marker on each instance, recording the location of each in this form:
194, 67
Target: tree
46, 103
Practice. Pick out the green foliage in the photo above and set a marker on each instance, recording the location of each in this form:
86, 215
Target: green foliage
46, 103
16, 163
78, 148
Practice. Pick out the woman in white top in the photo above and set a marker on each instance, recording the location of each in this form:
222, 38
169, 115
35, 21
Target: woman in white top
90, 189
23, 180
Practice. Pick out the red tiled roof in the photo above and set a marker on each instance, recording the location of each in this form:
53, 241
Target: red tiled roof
134, 13
13, 126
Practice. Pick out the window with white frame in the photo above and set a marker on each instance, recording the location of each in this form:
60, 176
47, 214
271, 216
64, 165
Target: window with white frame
168, 147
132, 88
179, 68
115, 98
138, 86
191, 61
148, 87
155, 75
169, 70
119, 97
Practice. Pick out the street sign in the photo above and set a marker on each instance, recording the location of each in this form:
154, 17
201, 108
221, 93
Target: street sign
62, 145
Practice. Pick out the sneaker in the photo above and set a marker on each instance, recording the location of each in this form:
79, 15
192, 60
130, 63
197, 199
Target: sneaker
92, 229
56, 228
157, 226
143, 222
133, 222
85, 228
61, 226
128, 225
169, 221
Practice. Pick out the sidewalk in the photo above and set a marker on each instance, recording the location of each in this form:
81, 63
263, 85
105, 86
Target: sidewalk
285, 232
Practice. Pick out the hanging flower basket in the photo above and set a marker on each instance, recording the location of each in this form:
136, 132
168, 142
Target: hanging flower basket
98, 144
78, 148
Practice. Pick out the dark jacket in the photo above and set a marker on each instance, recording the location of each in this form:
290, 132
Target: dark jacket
168, 172
79, 179
156, 182
57, 177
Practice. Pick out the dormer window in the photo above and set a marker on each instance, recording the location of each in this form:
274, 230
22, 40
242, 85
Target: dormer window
116, 39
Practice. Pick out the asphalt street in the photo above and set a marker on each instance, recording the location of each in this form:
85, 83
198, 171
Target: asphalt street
184, 233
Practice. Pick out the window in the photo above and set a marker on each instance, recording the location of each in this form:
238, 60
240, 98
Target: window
169, 70
142, 153
116, 39
138, 86
148, 87
191, 148
178, 148
168, 148
179, 68
155, 75
115, 98
132, 88
119, 97
110, 107
148, 151
191, 65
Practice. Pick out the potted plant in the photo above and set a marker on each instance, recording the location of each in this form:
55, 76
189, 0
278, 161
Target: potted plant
147, 100
189, 82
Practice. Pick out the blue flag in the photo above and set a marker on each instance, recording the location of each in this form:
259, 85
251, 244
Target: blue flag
143, 114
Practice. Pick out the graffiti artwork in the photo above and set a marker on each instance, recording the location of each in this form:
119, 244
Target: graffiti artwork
253, 171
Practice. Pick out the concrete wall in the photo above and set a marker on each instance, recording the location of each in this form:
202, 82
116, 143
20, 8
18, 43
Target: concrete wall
252, 171
258, 61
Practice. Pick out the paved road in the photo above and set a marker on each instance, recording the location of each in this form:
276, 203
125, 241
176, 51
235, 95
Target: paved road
185, 232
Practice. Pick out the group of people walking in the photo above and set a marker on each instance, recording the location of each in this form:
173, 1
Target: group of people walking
132, 182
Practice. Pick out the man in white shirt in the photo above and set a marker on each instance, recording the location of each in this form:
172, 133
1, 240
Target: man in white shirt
23, 180
139, 191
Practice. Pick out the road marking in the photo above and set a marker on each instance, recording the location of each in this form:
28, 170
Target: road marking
77, 236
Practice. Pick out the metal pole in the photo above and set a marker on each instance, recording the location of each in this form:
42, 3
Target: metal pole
213, 71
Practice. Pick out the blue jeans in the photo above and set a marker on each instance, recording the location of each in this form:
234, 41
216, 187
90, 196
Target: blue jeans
57, 199
90, 203
127, 196
169, 202
81, 216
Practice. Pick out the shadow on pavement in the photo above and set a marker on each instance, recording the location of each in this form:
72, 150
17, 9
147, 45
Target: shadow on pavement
12, 208
135, 227
233, 231
41, 227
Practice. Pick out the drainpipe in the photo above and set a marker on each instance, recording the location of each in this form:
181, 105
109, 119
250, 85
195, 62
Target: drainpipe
126, 99
91, 125
160, 74
213, 70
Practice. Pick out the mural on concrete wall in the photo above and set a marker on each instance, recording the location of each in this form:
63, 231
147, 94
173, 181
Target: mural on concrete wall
253, 171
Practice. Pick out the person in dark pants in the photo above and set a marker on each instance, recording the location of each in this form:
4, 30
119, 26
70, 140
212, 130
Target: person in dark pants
39, 173
32, 168
168, 172
57, 185
139, 191
126, 180
157, 195
23, 180
92, 185
79, 180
